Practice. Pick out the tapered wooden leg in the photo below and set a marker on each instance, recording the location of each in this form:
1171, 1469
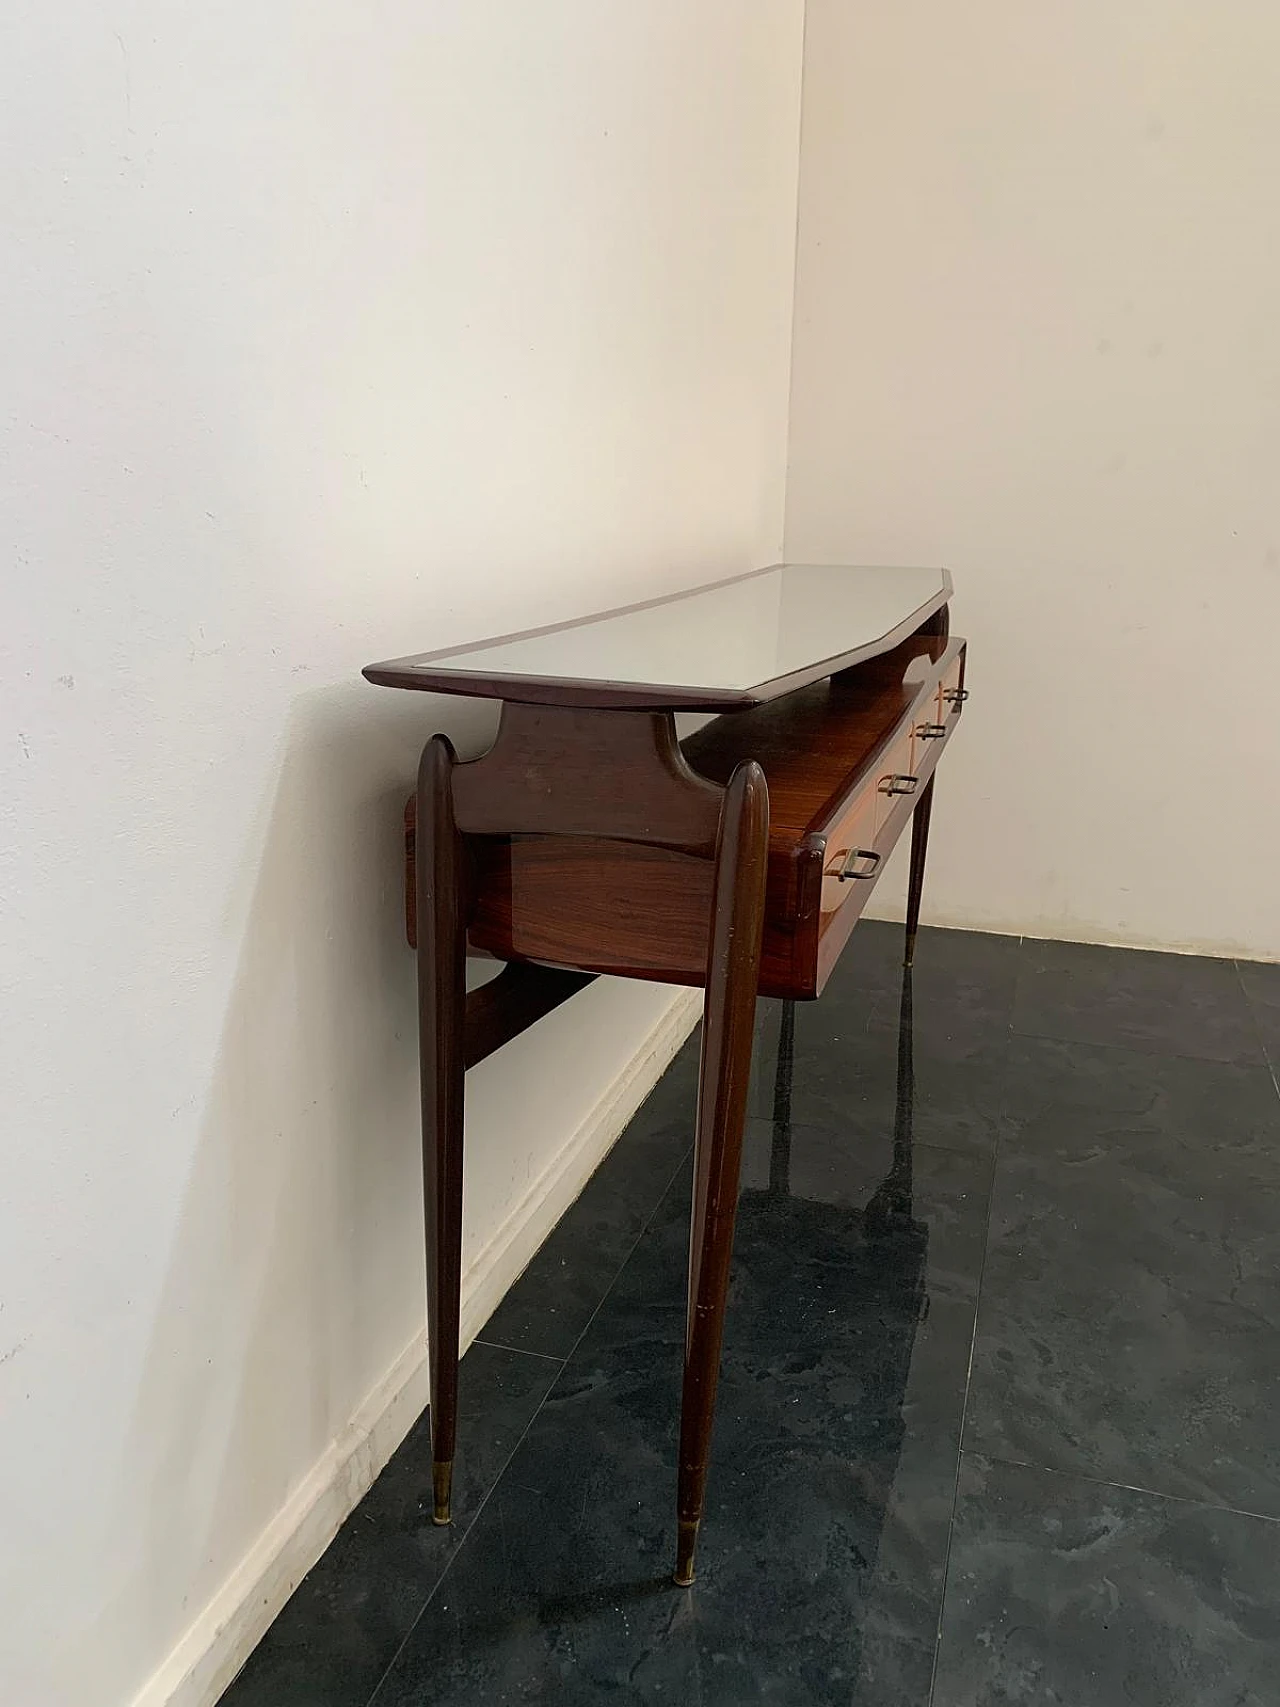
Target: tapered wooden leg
919, 848
733, 974
440, 882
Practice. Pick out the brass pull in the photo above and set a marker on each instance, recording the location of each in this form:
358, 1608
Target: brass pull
900, 783
931, 731
956, 696
846, 871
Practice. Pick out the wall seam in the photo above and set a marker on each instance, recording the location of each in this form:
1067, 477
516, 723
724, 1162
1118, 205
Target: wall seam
795, 287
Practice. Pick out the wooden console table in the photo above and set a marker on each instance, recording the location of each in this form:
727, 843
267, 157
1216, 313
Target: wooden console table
589, 839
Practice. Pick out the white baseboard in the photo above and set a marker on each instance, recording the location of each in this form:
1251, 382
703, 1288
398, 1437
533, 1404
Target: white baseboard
223, 1635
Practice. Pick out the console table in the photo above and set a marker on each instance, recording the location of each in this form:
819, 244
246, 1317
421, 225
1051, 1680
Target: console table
589, 839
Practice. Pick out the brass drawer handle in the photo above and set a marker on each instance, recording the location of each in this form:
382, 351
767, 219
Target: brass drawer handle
931, 731
899, 783
956, 696
846, 871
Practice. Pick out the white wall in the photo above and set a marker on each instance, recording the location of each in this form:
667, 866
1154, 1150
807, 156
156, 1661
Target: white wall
327, 331
1037, 338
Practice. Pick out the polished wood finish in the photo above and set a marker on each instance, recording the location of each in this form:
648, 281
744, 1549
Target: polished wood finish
938, 622
442, 885
567, 772
824, 752
603, 906
588, 842
638, 908
732, 978
817, 743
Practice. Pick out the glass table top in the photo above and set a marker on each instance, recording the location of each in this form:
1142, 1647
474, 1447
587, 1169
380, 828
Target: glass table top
727, 644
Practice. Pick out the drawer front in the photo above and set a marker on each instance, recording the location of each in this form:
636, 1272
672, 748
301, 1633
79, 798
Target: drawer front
865, 819
928, 728
855, 829
952, 692
881, 810
896, 776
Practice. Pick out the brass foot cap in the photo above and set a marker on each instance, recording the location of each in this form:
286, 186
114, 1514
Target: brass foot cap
686, 1542
442, 1488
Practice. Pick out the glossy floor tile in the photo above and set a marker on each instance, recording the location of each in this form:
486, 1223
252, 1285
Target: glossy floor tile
562, 1288
346, 1621
1070, 1592
840, 1058
837, 1433
1022, 1204
1261, 985
1172, 1004
1132, 1286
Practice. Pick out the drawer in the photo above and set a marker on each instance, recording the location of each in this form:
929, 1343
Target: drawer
933, 719
896, 776
888, 782
951, 694
855, 829
928, 727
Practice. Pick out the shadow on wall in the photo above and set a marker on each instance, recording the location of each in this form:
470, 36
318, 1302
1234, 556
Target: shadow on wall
294, 1276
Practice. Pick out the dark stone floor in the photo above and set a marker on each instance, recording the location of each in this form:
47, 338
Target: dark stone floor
999, 1417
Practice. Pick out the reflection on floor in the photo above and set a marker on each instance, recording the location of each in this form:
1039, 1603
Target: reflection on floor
997, 1420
